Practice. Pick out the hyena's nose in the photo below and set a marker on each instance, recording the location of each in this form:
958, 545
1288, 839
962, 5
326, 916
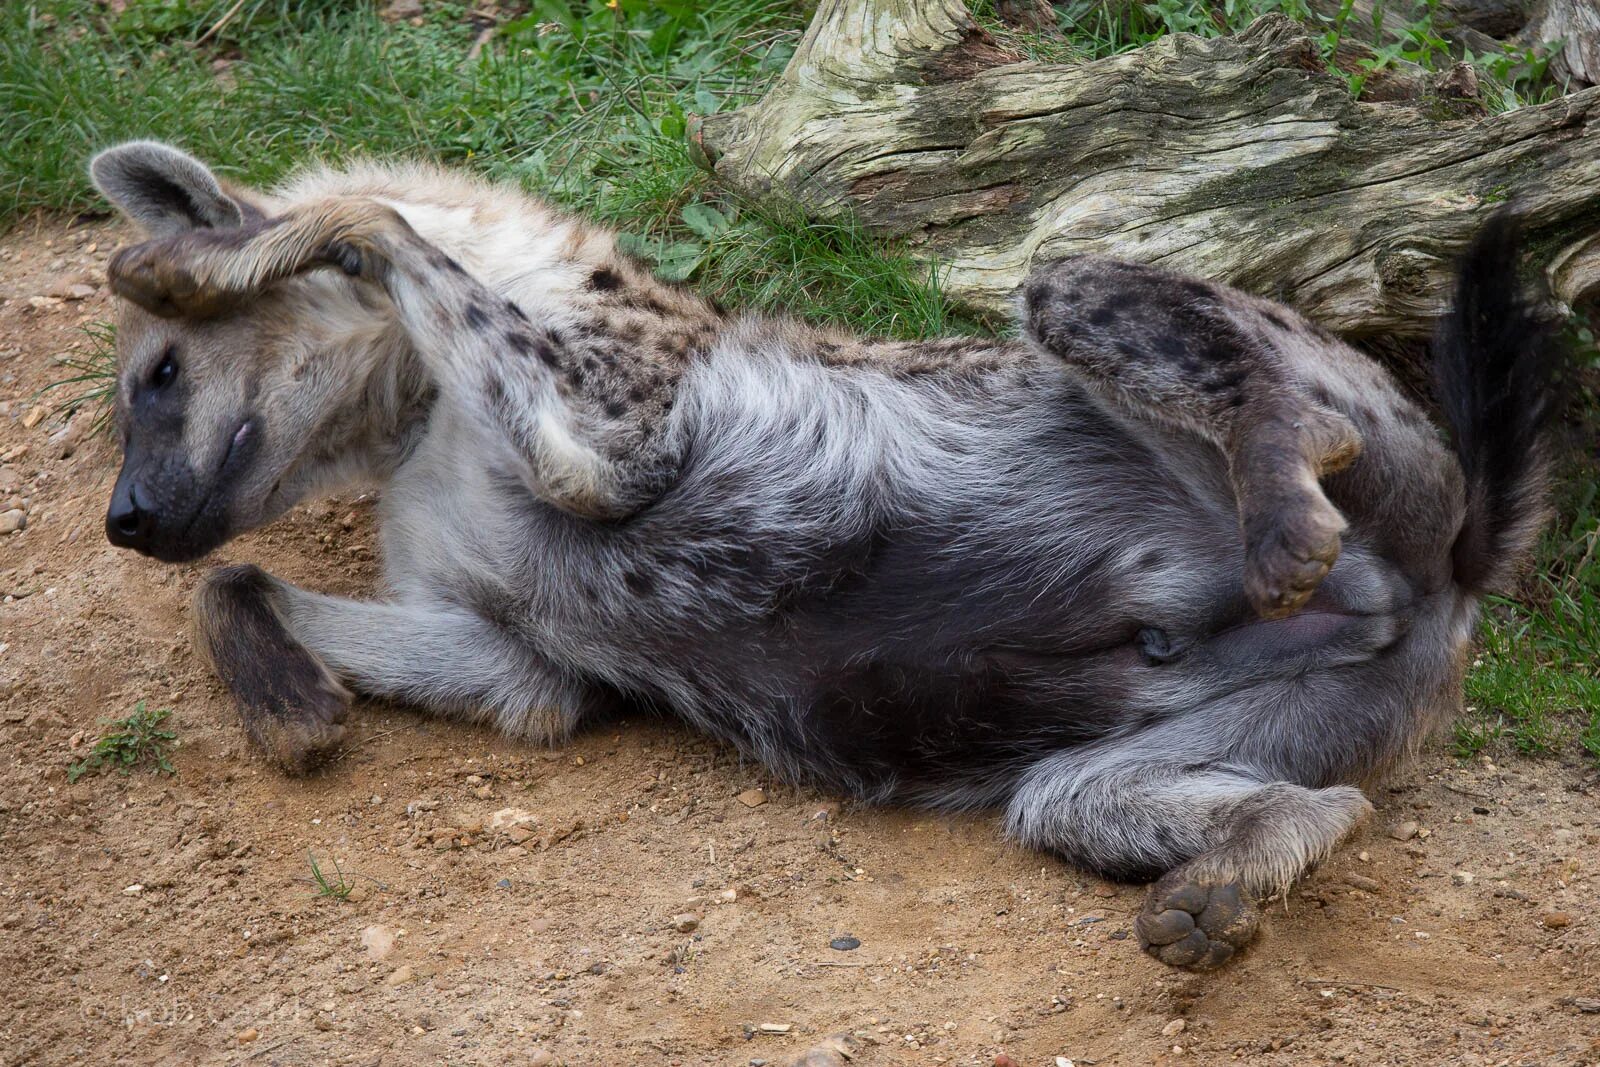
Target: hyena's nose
128, 523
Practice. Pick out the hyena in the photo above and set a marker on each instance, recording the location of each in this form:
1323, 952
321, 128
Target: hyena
1167, 579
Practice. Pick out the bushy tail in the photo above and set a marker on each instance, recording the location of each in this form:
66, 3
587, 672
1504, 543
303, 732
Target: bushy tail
1495, 358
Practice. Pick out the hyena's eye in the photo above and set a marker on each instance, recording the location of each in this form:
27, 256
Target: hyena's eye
162, 374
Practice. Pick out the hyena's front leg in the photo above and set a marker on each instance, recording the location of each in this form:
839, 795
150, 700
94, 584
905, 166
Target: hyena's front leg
443, 658
203, 272
292, 707
287, 655
1235, 369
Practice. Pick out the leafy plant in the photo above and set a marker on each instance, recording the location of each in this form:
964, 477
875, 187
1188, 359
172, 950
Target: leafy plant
138, 740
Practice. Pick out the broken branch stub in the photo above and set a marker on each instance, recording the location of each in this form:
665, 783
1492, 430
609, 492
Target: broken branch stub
1237, 159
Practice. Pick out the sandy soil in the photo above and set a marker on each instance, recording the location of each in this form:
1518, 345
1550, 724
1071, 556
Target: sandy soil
146, 919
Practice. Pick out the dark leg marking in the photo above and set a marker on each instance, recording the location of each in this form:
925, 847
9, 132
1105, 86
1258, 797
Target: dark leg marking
292, 708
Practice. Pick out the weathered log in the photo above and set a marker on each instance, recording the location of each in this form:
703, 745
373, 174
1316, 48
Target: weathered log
1496, 18
1575, 25
1035, 16
1238, 159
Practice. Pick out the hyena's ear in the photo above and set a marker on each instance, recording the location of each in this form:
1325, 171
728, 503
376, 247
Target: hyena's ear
166, 191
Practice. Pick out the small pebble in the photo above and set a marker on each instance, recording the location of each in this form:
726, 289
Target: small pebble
402, 974
846, 943
506, 818
1555, 920
1361, 882
1461, 877
541, 1058
1174, 1028
686, 922
752, 798
247, 1035
13, 520
1404, 831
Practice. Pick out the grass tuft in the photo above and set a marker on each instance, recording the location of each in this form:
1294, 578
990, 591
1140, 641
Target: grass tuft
91, 379
1535, 684
335, 888
137, 740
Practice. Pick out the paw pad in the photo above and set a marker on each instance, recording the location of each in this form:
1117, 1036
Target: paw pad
1195, 924
1291, 555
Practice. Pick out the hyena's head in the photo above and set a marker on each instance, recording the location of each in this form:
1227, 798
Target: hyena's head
215, 413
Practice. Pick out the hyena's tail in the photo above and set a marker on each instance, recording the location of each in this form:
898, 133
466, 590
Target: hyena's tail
1495, 360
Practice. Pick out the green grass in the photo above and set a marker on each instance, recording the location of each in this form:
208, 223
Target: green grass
588, 104
336, 888
1094, 29
90, 381
136, 741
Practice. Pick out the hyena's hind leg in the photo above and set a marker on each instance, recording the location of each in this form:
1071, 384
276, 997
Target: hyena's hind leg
1226, 366
1216, 838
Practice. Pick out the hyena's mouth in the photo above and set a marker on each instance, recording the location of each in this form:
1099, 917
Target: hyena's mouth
240, 436
208, 525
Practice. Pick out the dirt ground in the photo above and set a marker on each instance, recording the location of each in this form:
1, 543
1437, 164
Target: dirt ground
146, 919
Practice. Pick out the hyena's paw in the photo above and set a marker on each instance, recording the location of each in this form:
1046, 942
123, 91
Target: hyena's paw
161, 277
1196, 924
298, 723
1291, 528
1289, 550
292, 708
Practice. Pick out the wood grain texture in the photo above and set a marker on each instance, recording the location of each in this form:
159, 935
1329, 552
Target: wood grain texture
1238, 159
1574, 26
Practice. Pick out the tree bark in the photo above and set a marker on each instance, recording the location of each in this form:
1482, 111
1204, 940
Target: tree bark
1576, 25
1237, 159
